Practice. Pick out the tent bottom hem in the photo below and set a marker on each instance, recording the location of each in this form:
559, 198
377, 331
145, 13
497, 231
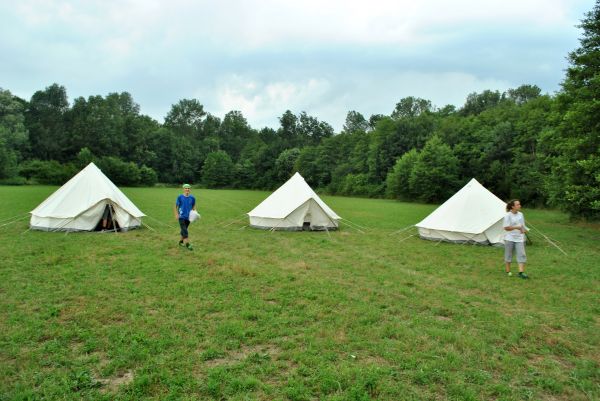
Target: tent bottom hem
466, 241
312, 228
75, 230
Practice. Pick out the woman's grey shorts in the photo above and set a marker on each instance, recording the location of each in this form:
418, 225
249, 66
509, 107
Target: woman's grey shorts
509, 246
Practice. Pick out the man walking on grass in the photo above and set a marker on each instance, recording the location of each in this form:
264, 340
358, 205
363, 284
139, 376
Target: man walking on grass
184, 204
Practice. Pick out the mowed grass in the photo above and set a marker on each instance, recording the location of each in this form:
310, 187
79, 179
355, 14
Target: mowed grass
255, 315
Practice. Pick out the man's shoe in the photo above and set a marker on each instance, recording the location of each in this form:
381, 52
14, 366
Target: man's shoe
189, 246
181, 243
523, 275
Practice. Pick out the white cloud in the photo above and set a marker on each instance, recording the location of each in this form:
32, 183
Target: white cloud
265, 56
252, 24
380, 97
263, 102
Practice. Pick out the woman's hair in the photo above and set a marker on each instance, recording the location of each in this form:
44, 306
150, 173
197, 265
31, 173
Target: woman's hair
510, 204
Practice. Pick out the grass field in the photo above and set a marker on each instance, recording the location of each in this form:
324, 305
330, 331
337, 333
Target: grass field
255, 315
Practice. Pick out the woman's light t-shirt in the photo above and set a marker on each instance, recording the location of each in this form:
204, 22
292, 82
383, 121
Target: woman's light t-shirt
513, 220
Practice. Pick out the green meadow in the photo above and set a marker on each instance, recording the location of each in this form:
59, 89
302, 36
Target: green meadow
258, 315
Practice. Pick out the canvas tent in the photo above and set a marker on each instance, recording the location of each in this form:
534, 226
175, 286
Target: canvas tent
80, 203
294, 206
472, 215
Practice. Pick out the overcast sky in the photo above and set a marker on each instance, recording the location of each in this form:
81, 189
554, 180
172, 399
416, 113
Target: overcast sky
325, 57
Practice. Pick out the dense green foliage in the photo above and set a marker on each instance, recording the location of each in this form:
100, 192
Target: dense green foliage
576, 143
520, 144
255, 315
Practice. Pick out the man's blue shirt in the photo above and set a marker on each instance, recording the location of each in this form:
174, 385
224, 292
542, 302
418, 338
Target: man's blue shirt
184, 205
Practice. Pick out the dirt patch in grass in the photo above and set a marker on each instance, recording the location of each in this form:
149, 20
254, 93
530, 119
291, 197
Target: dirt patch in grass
302, 265
267, 351
102, 359
112, 384
373, 360
76, 347
340, 336
243, 271
541, 360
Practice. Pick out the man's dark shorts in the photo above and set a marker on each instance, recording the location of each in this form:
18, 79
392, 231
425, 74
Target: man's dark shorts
184, 224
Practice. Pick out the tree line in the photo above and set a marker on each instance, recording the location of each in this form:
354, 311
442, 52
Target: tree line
540, 148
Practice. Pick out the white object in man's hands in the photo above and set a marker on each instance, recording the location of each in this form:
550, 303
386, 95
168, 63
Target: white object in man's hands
194, 215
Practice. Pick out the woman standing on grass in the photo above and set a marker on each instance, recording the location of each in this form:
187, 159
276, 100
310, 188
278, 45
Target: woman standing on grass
514, 238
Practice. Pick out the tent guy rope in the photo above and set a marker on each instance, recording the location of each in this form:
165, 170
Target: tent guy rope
547, 239
14, 221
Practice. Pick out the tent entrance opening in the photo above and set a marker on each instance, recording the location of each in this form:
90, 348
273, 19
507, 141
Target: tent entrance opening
108, 221
306, 224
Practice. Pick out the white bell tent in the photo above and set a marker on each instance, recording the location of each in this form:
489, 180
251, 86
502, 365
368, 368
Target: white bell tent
472, 215
294, 206
80, 204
